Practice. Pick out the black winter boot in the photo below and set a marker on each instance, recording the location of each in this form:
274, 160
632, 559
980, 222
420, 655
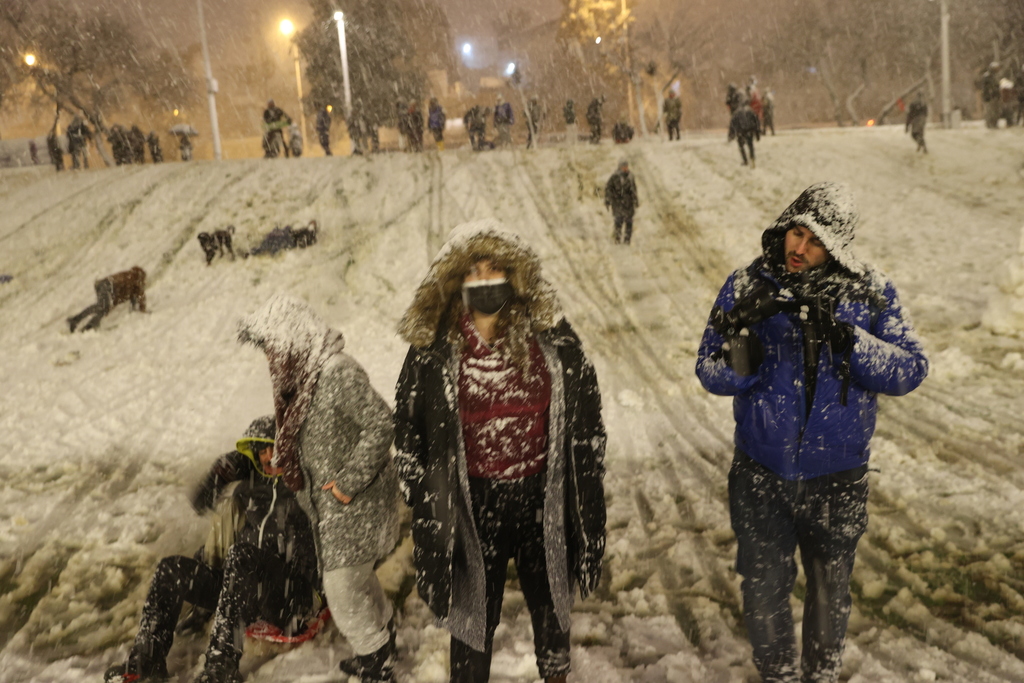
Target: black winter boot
222, 669
376, 667
137, 669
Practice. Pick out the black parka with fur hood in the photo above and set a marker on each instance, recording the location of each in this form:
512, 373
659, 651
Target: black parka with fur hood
430, 449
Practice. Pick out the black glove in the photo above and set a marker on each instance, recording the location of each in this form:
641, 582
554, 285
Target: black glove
821, 314
760, 304
744, 353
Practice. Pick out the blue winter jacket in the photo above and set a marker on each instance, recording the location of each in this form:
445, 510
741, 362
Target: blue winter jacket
773, 425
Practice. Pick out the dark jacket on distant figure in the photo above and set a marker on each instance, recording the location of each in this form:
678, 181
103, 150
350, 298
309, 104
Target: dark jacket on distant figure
744, 124
620, 193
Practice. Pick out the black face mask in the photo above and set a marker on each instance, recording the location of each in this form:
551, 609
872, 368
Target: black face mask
487, 296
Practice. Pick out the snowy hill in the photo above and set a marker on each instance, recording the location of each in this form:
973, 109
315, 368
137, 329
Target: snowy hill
106, 430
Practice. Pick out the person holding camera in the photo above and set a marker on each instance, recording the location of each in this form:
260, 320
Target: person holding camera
804, 339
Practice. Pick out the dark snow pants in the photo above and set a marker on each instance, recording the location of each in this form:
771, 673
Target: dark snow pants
325, 142
623, 219
254, 584
509, 522
258, 584
748, 140
673, 128
178, 579
104, 302
771, 517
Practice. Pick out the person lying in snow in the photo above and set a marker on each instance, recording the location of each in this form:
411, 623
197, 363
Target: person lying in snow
500, 446
128, 285
280, 239
334, 445
269, 570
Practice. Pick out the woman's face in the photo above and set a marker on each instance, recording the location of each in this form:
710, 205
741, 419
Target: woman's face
484, 269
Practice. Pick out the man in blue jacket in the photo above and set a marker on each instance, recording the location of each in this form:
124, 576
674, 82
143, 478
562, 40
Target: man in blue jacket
804, 339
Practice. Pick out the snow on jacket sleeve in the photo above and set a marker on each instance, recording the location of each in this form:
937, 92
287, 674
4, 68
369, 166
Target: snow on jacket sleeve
714, 373
889, 359
364, 408
410, 449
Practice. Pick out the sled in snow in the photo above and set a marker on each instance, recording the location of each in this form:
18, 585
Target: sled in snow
264, 631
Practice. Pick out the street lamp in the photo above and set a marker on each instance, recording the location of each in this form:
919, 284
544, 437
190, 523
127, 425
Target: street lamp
339, 17
510, 69
467, 49
288, 29
211, 84
30, 60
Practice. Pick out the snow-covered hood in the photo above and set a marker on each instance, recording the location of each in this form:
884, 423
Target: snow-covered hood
437, 305
827, 209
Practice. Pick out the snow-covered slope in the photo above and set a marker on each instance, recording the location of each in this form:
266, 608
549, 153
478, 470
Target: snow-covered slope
106, 430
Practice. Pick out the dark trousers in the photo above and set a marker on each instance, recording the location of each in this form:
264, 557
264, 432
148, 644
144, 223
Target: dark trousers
104, 302
509, 522
919, 139
325, 142
258, 584
595, 133
673, 127
255, 584
771, 517
623, 220
747, 140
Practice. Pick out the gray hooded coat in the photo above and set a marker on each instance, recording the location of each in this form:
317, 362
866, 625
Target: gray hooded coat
344, 436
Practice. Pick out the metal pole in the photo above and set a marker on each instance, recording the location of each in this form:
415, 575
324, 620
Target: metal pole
340, 18
298, 84
211, 85
947, 118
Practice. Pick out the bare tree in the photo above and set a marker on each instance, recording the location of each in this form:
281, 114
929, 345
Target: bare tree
91, 62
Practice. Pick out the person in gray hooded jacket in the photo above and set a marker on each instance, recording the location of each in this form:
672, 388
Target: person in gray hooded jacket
500, 447
334, 434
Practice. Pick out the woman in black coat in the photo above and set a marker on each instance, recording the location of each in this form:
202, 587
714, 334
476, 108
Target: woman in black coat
500, 448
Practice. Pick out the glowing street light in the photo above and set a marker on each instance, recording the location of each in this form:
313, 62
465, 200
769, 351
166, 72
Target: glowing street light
288, 29
598, 40
30, 60
510, 69
340, 18
467, 49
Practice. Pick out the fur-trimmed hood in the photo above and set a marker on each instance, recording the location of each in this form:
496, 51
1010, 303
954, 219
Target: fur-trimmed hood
437, 305
827, 209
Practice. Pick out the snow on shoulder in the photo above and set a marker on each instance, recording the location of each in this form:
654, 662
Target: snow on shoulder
1005, 312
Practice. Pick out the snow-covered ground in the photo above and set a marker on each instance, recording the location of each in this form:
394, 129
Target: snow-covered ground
104, 432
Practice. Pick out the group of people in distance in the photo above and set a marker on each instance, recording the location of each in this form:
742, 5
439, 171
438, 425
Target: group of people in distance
499, 448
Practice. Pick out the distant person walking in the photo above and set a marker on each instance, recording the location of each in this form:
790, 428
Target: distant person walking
79, 136
673, 109
620, 196
989, 86
415, 126
745, 128
572, 131
54, 150
768, 113
594, 119
137, 142
323, 128
274, 123
534, 114
503, 120
436, 121
917, 118
155, 150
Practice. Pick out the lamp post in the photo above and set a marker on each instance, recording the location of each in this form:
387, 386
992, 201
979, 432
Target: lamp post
211, 84
288, 29
30, 60
339, 17
947, 118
